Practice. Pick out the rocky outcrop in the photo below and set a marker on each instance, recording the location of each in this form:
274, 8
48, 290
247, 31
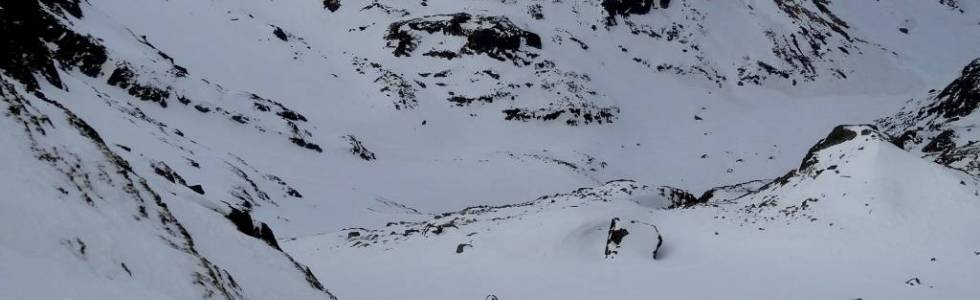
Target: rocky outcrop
358, 149
624, 8
615, 238
35, 41
245, 224
493, 36
332, 5
940, 126
678, 198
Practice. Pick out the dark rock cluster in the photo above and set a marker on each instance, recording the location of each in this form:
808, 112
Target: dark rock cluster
358, 149
933, 125
625, 8
35, 41
493, 36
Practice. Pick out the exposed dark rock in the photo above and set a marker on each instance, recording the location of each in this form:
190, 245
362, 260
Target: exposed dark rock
615, 238
35, 41
573, 115
625, 8
961, 97
281, 34
332, 5
166, 172
493, 36
679, 198
147, 203
265, 104
535, 11
942, 142
358, 149
914, 281
937, 123
306, 144
392, 84
464, 101
660, 242
197, 188
245, 224
124, 77
839, 135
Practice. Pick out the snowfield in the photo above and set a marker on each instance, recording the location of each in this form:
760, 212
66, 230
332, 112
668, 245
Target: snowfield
868, 220
472, 149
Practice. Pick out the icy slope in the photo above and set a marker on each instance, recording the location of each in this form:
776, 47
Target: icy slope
860, 218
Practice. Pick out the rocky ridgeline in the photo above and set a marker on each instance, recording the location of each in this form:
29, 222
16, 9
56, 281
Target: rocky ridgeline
941, 126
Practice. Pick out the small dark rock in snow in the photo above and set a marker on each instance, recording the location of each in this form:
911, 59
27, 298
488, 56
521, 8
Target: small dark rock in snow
281, 34
332, 5
359, 150
660, 242
913, 282
197, 188
616, 235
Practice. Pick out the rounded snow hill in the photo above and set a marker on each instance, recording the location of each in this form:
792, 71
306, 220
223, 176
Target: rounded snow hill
861, 218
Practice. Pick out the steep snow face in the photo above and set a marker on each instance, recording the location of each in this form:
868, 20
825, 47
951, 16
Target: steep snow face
77, 214
97, 223
941, 126
860, 218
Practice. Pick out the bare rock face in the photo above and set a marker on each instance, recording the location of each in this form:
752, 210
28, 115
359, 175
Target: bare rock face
244, 222
493, 36
616, 236
36, 42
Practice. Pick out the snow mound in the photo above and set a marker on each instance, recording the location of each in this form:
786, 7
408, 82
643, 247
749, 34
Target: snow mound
859, 215
857, 177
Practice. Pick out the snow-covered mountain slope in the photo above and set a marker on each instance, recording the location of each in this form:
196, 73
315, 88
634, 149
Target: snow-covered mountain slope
486, 97
83, 220
248, 117
860, 218
940, 126
78, 215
